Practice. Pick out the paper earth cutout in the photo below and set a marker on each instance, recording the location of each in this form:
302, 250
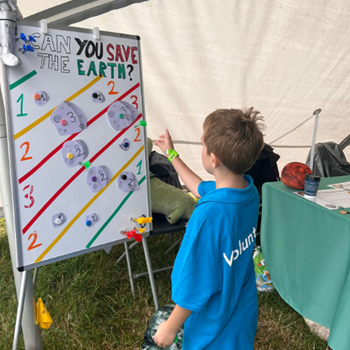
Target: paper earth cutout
293, 175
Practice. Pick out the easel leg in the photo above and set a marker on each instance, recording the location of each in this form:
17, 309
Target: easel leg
130, 246
20, 310
150, 272
129, 269
35, 277
174, 245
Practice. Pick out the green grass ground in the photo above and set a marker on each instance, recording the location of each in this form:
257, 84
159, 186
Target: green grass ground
90, 301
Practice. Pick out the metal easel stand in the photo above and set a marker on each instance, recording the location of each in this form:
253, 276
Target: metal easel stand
150, 272
31, 333
149, 269
132, 245
137, 275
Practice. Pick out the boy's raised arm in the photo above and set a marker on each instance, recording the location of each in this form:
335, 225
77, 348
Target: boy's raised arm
190, 179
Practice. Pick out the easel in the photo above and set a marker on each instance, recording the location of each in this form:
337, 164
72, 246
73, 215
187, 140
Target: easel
24, 283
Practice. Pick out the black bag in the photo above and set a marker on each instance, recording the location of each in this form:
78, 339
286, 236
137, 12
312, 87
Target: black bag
265, 168
162, 168
329, 160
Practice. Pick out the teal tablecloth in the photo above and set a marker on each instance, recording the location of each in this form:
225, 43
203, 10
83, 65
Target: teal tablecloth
307, 252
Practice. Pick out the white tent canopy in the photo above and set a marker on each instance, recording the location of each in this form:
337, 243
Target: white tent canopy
286, 58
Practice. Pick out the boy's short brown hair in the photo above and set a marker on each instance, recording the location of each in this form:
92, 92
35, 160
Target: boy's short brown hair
235, 137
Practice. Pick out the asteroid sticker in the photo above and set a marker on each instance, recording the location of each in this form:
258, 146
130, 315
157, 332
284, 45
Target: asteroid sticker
127, 182
73, 152
91, 219
98, 97
68, 119
97, 178
125, 144
40, 98
121, 114
58, 220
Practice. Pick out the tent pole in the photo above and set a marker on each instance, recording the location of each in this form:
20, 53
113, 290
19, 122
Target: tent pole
317, 112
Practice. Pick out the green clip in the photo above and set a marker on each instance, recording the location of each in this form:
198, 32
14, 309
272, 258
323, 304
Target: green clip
142, 123
86, 164
176, 339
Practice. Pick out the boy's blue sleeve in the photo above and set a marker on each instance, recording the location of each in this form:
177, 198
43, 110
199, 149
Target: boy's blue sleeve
205, 187
196, 275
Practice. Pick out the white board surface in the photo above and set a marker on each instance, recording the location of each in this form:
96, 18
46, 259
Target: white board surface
53, 193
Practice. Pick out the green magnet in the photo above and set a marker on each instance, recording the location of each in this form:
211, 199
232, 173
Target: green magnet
142, 123
86, 164
121, 115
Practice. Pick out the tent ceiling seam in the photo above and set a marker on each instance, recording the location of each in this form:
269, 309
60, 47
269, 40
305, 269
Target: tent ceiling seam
183, 142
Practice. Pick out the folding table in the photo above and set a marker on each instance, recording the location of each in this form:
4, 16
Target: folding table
307, 252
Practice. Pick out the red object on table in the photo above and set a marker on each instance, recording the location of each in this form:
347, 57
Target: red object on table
293, 175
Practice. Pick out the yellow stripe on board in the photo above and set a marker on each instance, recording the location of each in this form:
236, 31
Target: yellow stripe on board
71, 223
45, 116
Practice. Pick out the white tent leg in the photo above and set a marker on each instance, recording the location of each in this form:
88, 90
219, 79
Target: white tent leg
316, 113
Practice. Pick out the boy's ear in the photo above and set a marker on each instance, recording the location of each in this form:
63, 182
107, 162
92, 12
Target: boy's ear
215, 161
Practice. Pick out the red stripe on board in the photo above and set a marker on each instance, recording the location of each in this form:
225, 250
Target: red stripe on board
59, 147
53, 198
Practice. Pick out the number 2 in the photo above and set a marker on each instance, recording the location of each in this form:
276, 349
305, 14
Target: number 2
26, 144
138, 135
112, 92
32, 244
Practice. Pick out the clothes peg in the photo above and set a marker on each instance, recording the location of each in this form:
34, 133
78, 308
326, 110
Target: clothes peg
142, 220
132, 234
43, 25
96, 32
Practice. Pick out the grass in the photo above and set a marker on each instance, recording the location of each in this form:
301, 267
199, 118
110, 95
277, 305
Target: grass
90, 301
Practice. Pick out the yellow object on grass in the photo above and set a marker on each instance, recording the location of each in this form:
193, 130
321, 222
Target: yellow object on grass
43, 318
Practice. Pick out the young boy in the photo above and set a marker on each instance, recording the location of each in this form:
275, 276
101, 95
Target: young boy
213, 280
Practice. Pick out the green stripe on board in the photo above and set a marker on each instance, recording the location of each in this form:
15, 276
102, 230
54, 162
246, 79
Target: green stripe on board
23, 79
113, 215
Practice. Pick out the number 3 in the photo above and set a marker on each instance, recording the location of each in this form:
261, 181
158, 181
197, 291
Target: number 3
29, 196
135, 101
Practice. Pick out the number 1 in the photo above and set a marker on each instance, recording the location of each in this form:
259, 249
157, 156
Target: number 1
139, 165
21, 114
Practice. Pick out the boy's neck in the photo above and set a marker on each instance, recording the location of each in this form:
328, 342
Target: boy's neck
225, 178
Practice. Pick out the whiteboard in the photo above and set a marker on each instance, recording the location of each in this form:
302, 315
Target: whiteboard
76, 100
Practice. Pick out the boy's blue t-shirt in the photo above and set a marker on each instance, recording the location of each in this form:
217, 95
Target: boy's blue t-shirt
213, 273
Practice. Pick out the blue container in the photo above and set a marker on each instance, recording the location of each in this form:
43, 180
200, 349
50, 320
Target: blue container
311, 185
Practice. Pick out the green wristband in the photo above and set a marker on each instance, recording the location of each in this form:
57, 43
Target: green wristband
171, 154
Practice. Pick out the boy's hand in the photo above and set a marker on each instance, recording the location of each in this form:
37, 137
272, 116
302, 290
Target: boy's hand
164, 336
165, 141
